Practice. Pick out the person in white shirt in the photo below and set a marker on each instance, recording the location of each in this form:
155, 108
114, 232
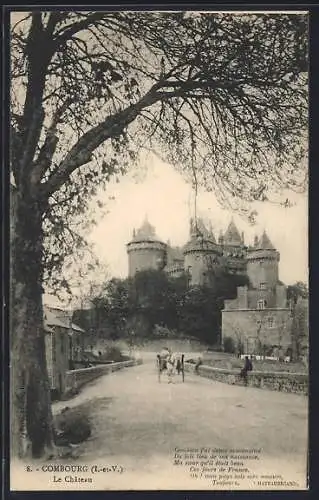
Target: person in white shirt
170, 366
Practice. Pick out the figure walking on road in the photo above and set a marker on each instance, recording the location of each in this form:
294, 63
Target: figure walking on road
170, 366
248, 366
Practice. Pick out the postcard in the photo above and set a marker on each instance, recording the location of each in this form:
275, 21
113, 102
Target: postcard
158, 245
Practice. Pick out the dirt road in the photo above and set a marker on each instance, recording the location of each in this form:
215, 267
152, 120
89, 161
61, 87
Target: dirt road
138, 424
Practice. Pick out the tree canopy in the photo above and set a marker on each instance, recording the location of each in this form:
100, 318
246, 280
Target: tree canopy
221, 96
298, 289
141, 305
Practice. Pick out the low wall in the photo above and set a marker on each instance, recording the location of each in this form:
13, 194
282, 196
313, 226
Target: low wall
75, 379
276, 381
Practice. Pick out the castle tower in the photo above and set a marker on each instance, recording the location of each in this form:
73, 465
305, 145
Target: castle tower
145, 250
201, 254
234, 250
262, 264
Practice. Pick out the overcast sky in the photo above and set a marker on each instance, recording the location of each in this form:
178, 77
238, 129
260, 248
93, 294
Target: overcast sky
165, 198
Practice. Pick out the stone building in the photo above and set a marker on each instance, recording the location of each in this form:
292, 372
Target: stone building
259, 318
201, 253
63, 343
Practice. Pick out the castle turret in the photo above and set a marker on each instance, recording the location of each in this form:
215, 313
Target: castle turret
234, 250
145, 250
262, 264
201, 253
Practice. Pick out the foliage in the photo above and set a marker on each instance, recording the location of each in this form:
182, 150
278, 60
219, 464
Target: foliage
296, 290
113, 354
206, 91
199, 314
111, 308
72, 425
163, 332
151, 303
300, 327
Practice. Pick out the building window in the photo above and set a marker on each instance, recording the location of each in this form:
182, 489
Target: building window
53, 348
262, 286
270, 322
261, 304
258, 323
62, 343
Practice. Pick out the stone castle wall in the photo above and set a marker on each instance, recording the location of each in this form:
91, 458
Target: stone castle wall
198, 264
262, 267
144, 256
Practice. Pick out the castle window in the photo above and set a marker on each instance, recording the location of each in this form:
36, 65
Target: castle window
53, 347
270, 322
261, 304
189, 274
262, 286
62, 343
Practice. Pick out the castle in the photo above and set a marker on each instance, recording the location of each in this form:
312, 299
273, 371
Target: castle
259, 317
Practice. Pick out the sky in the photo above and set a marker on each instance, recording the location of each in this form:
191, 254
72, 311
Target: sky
163, 196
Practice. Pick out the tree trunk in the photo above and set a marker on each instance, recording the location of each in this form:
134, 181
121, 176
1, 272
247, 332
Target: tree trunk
31, 417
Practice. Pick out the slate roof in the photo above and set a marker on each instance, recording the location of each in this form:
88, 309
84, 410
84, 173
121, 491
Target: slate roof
232, 235
265, 242
145, 233
58, 317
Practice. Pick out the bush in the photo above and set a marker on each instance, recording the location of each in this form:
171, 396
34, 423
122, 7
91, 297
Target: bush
229, 345
72, 426
161, 331
113, 354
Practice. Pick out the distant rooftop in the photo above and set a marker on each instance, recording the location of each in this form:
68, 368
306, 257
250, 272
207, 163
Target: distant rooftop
54, 316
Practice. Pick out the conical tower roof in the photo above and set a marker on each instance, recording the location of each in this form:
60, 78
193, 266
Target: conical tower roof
265, 242
232, 236
146, 232
198, 229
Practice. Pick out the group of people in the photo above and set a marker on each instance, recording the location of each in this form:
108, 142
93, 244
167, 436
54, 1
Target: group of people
174, 363
170, 362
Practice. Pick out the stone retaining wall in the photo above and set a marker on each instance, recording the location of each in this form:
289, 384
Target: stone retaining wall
276, 381
75, 379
